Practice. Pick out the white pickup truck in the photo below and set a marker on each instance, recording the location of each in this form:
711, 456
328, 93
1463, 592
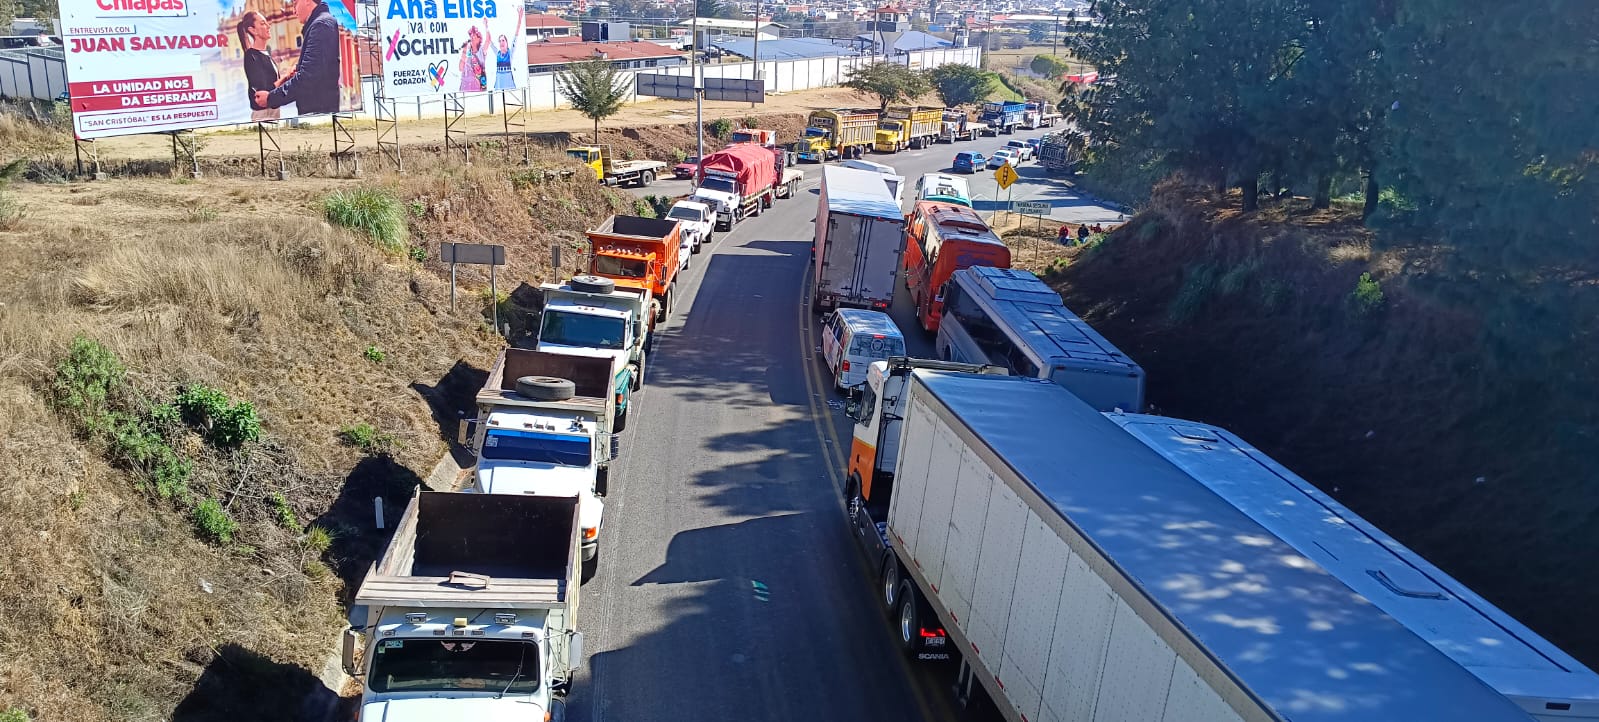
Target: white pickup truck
696, 222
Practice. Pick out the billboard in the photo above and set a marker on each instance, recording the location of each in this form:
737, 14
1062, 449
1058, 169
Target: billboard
148, 66
433, 47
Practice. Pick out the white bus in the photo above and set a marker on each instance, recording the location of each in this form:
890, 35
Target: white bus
1009, 318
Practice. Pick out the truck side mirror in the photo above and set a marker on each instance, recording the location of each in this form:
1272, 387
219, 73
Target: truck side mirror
351, 642
853, 409
574, 651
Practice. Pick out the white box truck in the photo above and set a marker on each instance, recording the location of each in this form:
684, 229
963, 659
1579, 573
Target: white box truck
471, 613
860, 238
1507, 656
1080, 576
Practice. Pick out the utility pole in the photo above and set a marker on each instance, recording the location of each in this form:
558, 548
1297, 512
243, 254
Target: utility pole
1056, 51
757, 51
699, 84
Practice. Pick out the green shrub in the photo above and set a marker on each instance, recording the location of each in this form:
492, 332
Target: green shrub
318, 540
369, 439
164, 418
226, 424
417, 253
203, 214
213, 523
374, 354
86, 379
373, 212
679, 155
751, 121
1367, 298
285, 514
1199, 283
14, 714
721, 128
170, 474
1238, 277
643, 208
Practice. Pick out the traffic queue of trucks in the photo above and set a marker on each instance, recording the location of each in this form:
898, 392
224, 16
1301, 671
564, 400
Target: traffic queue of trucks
1079, 559
1084, 561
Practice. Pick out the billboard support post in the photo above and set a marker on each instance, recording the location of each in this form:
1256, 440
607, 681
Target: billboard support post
269, 146
513, 109
85, 147
454, 111
189, 146
388, 127
344, 148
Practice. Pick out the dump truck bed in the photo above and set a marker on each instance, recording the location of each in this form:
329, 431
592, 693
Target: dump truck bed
593, 377
478, 551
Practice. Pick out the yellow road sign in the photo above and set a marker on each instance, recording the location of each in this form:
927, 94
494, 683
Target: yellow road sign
1005, 176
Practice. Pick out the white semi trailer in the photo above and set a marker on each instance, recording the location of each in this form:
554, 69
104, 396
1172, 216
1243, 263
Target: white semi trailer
1535, 674
1078, 575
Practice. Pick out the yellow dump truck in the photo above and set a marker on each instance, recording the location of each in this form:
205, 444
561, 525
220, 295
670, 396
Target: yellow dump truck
612, 172
839, 133
908, 127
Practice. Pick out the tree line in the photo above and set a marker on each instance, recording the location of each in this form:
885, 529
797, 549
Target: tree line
1477, 120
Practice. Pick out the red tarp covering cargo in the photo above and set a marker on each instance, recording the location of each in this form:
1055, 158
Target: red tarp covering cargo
754, 166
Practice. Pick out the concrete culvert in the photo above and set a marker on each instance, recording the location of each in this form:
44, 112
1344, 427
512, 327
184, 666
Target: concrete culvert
545, 388
592, 284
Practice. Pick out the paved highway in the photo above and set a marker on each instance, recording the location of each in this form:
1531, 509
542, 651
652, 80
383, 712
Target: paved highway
728, 587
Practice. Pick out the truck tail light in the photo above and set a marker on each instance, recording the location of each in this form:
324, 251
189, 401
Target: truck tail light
846, 365
932, 633
590, 533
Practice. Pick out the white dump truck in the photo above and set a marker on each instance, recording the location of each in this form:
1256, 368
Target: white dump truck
471, 612
1078, 575
541, 430
590, 316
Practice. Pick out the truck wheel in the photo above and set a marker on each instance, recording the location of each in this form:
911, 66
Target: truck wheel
602, 480
909, 620
618, 426
889, 584
638, 376
645, 179
545, 388
590, 566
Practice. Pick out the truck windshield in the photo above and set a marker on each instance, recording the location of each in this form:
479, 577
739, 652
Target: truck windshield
679, 213
581, 155
617, 267
719, 184
815, 132
566, 328
447, 665
537, 447
894, 127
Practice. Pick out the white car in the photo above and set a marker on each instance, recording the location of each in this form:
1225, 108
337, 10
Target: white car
1023, 151
1002, 157
696, 222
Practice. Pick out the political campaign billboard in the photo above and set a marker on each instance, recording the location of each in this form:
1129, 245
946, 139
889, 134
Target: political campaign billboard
150, 66
433, 47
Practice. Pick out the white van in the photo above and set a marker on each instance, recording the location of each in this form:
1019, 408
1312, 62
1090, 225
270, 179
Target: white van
895, 181
944, 187
852, 339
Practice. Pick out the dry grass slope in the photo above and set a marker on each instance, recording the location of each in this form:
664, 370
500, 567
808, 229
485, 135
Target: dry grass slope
117, 611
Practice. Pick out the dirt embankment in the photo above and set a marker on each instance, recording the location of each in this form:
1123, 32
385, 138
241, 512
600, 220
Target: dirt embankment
351, 358
1453, 409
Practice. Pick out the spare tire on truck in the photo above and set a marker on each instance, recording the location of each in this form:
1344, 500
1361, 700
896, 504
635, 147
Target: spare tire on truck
545, 388
592, 284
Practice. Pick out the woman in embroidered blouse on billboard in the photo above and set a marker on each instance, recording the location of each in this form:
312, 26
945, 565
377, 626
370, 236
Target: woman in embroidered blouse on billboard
474, 62
504, 79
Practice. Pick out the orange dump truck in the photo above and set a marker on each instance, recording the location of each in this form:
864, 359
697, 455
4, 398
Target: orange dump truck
639, 254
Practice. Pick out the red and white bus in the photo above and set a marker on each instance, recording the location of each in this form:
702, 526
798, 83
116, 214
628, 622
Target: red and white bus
940, 239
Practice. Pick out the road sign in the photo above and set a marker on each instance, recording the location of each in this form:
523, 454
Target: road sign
1005, 176
1029, 208
743, 90
665, 86
479, 253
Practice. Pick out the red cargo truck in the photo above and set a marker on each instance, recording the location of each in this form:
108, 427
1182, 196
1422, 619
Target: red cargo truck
739, 181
